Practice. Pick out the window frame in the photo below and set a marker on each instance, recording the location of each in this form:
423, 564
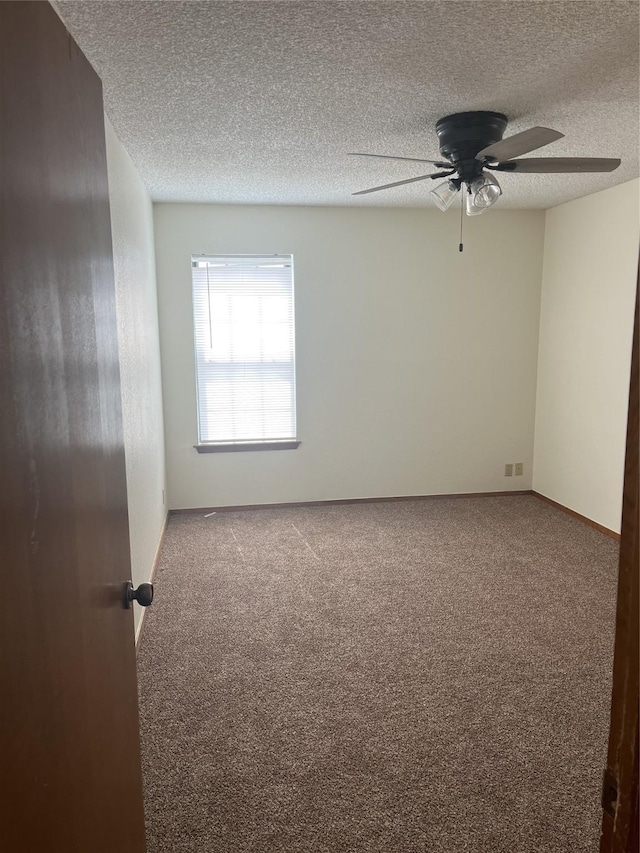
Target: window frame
226, 446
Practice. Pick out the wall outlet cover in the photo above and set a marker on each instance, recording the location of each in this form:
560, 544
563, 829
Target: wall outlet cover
508, 470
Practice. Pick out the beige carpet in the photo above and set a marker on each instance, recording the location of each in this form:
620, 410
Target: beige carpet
427, 676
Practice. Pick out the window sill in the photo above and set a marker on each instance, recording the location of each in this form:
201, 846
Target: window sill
234, 447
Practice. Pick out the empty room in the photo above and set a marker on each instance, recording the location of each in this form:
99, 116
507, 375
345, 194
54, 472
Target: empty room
319, 426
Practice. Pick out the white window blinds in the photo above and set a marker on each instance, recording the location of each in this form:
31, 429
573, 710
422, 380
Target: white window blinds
245, 351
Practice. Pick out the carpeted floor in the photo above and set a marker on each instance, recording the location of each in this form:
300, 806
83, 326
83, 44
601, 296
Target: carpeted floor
427, 676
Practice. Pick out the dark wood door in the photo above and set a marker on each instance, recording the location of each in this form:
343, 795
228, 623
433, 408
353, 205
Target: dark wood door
69, 743
620, 788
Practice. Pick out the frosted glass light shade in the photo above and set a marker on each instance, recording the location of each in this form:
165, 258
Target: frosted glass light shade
444, 194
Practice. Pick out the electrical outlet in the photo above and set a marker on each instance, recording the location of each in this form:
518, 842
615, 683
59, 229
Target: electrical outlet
508, 470
518, 469
163, 497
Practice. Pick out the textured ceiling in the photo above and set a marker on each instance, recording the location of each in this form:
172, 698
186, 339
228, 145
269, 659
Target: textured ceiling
258, 102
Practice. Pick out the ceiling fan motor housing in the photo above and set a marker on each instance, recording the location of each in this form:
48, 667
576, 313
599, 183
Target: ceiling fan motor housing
462, 135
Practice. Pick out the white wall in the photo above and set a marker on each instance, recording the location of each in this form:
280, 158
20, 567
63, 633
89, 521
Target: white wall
137, 312
416, 365
586, 324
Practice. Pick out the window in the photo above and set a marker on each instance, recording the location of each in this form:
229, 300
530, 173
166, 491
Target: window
245, 351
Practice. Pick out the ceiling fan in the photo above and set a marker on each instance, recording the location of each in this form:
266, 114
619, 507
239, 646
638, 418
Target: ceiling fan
471, 143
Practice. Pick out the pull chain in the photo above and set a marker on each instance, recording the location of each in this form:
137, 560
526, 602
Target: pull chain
460, 246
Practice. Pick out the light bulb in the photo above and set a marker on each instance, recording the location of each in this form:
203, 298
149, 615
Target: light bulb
444, 194
484, 191
472, 209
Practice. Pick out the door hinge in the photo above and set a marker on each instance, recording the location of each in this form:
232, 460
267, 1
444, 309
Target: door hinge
609, 792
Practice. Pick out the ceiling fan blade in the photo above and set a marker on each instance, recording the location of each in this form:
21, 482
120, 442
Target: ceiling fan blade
520, 143
442, 164
549, 165
407, 181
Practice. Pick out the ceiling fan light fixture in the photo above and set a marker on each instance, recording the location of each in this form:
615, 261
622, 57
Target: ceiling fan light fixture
444, 194
484, 191
471, 142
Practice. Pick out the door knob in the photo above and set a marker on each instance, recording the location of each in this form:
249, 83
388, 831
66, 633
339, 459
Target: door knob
143, 594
